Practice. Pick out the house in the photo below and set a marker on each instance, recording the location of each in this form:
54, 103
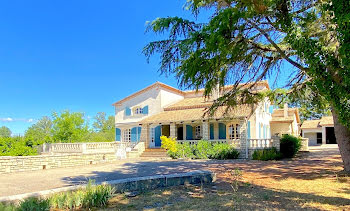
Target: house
160, 109
319, 131
285, 121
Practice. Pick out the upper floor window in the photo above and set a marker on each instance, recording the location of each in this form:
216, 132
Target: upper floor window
138, 110
198, 132
127, 135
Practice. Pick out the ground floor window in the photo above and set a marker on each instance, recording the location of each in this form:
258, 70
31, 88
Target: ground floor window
234, 131
127, 135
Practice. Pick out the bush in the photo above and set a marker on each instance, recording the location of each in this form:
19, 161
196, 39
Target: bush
91, 196
266, 154
15, 146
203, 149
169, 144
7, 207
34, 204
88, 197
290, 145
224, 152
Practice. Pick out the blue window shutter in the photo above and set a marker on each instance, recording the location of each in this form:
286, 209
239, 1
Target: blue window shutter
222, 131
127, 111
271, 109
189, 132
145, 110
157, 134
211, 131
138, 133
117, 134
134, 134
248, 130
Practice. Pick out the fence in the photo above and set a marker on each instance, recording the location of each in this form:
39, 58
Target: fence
85, 148
245, 146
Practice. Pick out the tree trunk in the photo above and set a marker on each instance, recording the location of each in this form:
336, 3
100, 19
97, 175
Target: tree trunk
342, 135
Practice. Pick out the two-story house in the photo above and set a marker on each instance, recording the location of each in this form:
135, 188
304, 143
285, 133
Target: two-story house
160, 109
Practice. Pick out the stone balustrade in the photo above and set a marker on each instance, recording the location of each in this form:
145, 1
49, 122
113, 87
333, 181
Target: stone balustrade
83, 148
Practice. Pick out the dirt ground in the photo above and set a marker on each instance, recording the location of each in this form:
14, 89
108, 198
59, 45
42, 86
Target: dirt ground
311, 182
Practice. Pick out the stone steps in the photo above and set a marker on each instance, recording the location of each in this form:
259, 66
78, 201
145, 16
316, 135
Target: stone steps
152, 153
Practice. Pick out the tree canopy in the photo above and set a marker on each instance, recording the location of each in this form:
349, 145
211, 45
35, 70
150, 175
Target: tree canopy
5, 131
247, 41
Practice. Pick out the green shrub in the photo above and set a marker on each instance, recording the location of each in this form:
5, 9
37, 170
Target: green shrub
90, 196
290, 145
15, 146
185, 151
266, 154
224, 152
7, 207
203, 149
36, 204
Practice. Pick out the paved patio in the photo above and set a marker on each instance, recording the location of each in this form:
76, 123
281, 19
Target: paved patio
308, 165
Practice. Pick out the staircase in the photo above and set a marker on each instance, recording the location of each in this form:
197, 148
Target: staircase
154, 153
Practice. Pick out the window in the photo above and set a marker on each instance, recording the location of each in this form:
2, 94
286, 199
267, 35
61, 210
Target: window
138, 110
152, 134
127, 135
237, 131
231, 132
198, 132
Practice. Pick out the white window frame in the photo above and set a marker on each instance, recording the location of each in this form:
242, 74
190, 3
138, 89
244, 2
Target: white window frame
127, 135
231, 131
237, 131
138, 111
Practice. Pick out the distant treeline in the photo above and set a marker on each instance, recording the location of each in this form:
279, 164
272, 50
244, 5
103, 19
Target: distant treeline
64, 127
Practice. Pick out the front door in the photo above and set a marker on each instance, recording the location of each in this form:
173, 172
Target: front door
157, 134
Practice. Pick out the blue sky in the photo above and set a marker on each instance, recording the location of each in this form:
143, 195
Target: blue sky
80, 55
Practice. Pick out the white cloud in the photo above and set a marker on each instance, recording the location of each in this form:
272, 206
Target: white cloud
9, 119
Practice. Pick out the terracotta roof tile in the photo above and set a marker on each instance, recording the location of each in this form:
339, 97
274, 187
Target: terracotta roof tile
326, 120
310, 124
194, 114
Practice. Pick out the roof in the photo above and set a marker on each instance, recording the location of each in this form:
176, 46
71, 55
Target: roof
156, 84
278, 115
179, 114
183, 93
317, 123
326, 120
310, 124
187, 103
227, 87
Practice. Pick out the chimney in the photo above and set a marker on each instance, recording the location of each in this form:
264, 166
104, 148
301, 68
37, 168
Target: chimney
216, 92
285, 110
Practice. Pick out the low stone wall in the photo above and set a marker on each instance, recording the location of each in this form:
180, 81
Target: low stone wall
10, 164
130, 184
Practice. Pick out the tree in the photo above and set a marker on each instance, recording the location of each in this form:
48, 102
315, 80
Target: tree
5, 131
104, 128
247, 41
69, 127
39, 132
310, 105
